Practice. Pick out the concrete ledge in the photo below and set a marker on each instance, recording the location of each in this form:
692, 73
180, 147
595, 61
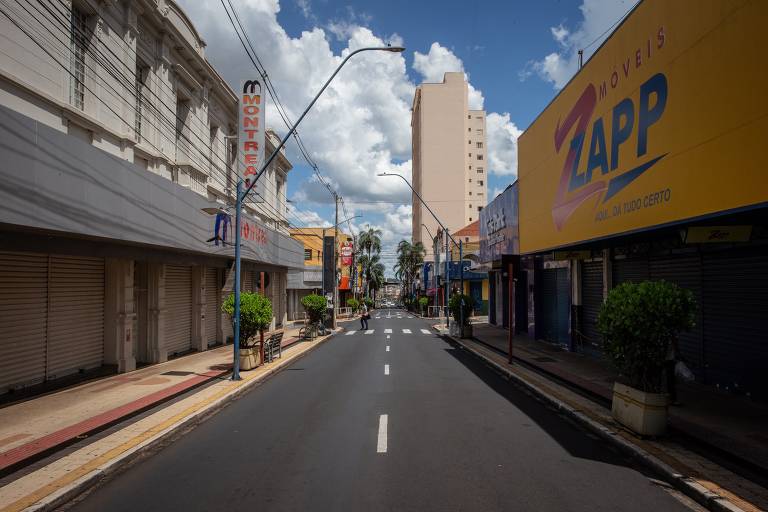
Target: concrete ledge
686, 485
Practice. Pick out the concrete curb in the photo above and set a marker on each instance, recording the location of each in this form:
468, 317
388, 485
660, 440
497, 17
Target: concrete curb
170, 434
684, 484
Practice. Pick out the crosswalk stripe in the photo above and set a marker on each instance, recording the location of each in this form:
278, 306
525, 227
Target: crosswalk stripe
406, 331
387, 331
369, 331
426, 331
350, 333
409, 317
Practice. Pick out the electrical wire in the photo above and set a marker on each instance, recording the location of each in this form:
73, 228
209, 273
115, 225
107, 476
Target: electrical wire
265, 206
66, 69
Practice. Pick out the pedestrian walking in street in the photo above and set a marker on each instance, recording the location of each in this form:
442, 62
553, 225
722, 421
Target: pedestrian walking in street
364, 316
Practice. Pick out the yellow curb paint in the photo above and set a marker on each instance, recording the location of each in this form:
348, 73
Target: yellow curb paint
115, 452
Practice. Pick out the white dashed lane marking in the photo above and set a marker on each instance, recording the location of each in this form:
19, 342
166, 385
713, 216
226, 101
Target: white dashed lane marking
387, 348
386, 369
381, 445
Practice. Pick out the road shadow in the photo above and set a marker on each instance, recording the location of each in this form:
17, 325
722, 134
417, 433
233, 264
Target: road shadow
572, 437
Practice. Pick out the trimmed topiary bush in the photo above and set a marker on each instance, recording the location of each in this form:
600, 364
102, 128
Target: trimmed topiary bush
639, 322
255, 314
423, 303
316, 306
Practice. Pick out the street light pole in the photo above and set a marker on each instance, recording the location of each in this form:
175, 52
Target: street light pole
241, 195
335, 259
445, 230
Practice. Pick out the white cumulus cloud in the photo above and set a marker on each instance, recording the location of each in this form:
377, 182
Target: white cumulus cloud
599, 17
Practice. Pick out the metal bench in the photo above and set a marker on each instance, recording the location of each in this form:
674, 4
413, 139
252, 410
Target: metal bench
273, 347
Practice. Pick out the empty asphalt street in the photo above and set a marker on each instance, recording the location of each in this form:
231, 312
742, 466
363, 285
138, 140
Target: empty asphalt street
393, 418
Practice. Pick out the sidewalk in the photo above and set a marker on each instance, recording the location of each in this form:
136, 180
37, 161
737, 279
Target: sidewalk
32, 428
28, 427
583, 387
728, 422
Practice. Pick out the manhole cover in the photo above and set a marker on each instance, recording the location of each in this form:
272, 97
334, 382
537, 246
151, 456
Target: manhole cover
545, 359
178, 373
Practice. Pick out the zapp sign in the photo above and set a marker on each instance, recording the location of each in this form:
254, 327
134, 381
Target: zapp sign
251, 133
666, 122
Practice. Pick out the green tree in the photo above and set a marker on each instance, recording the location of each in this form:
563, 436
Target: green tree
639, 322
410, 258
255, 314
369, 243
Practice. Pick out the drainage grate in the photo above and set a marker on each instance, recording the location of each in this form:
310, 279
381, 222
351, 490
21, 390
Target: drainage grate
178, 373
544, 359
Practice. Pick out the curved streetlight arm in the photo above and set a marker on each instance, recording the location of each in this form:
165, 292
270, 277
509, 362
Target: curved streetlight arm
394, 49
445, 230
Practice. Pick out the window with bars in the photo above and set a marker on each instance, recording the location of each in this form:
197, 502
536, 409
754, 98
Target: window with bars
78, 38
307, 254
479, 145
479, 170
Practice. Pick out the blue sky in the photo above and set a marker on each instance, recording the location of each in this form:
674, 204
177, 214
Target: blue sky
517, 54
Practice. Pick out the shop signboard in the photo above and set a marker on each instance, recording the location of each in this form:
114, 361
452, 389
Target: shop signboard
499, 232
664, 123
251, 132
346, 253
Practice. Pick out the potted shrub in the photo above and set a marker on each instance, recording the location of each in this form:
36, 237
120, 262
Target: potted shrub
315, 306
458, 304
639, 324
353, 304
423, 302
255, 316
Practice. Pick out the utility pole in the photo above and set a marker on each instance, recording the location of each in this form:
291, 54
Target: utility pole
447, 280
435, 264
461, 281
335, 258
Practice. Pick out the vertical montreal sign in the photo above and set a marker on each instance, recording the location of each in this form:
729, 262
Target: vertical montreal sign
251, 132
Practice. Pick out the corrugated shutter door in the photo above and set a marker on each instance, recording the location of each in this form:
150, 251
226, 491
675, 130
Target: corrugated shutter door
76, 314
633, 270
735, 302
591, 300
23, 318
684, 271
211, 303
178, 307
248, 281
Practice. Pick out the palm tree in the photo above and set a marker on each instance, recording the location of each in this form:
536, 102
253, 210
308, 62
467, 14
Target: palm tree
410, 257
376, 278
369, 242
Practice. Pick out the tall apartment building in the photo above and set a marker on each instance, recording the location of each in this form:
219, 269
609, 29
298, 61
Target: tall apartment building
449, 151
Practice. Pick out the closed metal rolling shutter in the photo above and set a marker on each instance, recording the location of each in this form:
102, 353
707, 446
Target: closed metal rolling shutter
633, 270
211, 304
23, 318
178, 306
554, 310
75, 314
591, 300
248, 281
735, 304
684, 271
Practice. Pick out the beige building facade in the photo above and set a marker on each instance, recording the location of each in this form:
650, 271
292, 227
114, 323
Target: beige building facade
449, 158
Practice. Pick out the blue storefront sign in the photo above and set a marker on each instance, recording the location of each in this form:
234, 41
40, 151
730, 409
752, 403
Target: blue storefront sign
499, 226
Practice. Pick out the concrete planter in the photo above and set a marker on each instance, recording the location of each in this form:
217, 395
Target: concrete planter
455, 331
249, 358
643, 413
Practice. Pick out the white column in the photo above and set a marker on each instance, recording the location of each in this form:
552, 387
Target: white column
156, 299
119, 314
199, 342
